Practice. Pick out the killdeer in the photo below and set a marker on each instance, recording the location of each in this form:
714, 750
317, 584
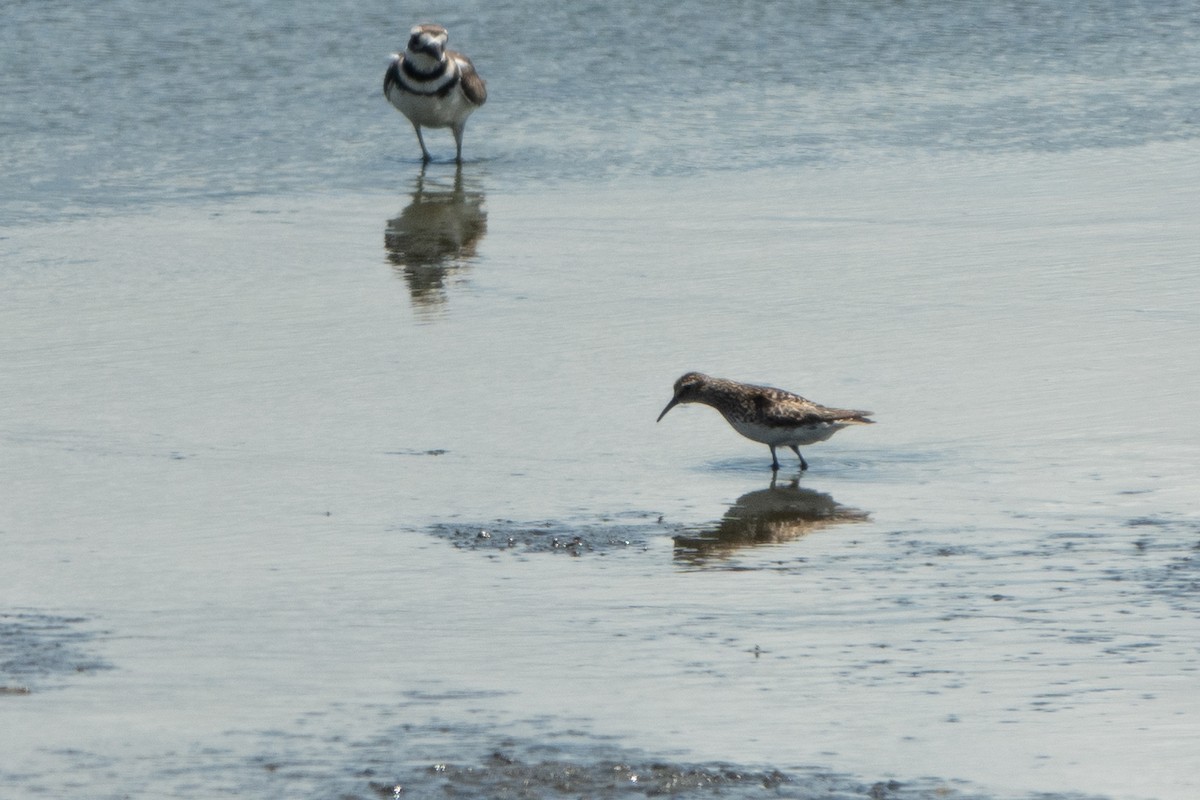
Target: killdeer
432, 86
765, 414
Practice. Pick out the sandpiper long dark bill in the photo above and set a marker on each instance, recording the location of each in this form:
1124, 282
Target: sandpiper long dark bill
432, 86
765, 414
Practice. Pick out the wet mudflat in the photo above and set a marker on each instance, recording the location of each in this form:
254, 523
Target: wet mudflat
326, 475
312, 504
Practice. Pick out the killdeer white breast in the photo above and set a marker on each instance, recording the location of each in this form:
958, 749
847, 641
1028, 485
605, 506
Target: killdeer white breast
432, 86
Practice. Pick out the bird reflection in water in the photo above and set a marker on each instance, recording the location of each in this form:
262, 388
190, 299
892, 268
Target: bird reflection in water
773, 515
434, 237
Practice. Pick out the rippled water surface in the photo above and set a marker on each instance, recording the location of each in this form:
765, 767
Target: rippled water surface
327, 475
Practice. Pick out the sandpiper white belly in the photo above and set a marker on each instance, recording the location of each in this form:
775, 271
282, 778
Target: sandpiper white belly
779, 436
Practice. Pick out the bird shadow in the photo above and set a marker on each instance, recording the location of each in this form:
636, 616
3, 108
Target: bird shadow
775, 515
435, 237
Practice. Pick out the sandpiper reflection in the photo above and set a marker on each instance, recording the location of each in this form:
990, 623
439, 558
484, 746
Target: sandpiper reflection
779, 513
435, 236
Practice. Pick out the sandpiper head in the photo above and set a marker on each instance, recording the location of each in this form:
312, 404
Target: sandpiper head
427, 42
687, 390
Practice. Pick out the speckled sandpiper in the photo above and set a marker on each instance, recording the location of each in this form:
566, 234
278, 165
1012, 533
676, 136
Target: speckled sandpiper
432, 86
765, 414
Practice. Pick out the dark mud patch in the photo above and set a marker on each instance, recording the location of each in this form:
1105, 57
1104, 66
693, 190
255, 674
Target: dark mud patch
574, 539
419, 761
39, 650
503, 775
435, 759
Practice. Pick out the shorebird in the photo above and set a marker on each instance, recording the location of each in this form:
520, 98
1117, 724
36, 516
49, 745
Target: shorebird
432, 86
765, 414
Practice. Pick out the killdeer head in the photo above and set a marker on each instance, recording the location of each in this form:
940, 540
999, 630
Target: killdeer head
426, 47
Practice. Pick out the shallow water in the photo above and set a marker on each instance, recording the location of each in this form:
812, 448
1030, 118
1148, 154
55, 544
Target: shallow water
324, 470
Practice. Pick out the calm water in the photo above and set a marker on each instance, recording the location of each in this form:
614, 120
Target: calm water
325, 474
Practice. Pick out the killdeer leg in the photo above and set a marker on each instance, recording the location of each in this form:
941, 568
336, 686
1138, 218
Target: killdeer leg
774, 459
803, 463
458, 134
421, 140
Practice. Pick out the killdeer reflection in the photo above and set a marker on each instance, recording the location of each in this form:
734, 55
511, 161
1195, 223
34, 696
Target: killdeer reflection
435, 238
432, 86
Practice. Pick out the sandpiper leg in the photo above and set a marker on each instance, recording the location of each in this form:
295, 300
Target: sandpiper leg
774, 459
421, 141
803, 463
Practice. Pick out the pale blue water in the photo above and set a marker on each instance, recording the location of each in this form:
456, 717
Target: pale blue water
106, 105
274, 400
